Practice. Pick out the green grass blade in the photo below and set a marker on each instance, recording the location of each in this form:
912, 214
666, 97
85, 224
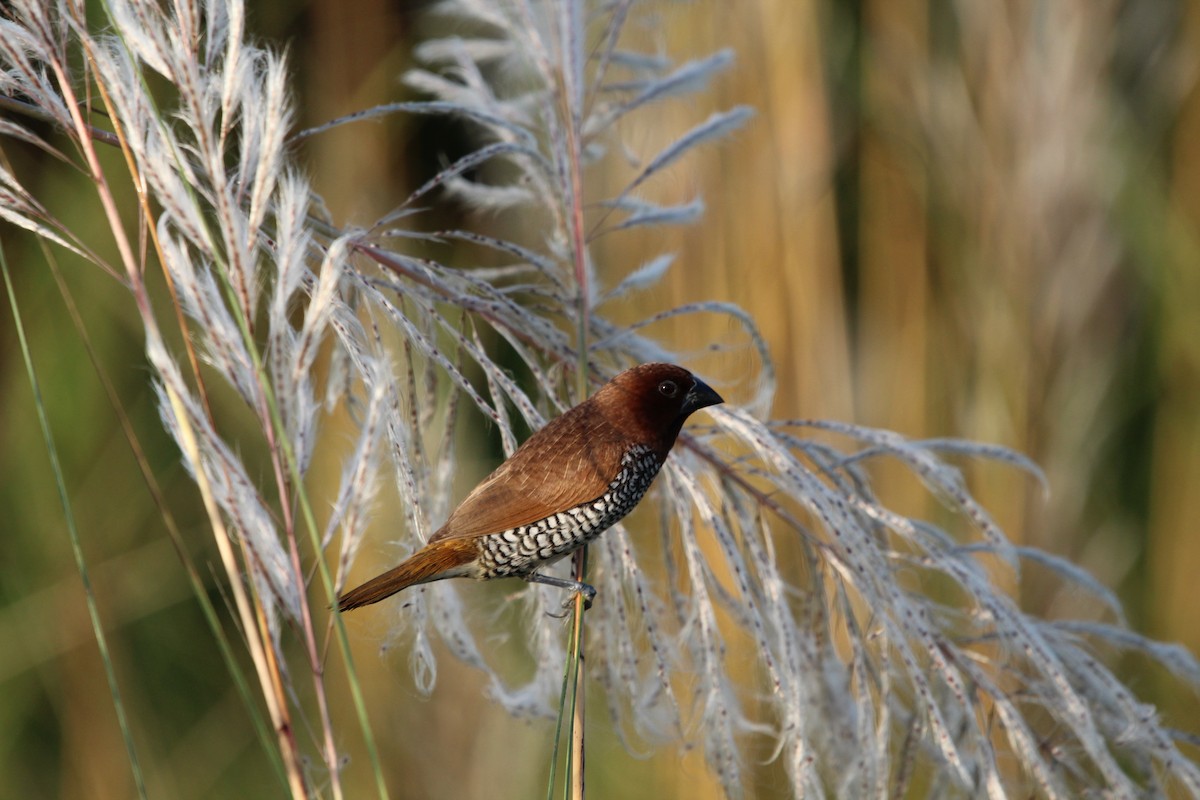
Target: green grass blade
73, 532
253, 708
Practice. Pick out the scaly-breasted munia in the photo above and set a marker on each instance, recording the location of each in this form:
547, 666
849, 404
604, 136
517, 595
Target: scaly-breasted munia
563, 487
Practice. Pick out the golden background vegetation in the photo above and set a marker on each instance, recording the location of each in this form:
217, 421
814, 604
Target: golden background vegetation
974, 219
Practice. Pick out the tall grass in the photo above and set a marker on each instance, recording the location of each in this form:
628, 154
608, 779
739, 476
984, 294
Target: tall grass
827, 595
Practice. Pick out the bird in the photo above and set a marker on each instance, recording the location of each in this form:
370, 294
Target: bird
565, 485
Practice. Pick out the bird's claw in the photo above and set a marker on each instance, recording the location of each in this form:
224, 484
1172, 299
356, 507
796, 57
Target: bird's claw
589, 594
577, 588
586, 591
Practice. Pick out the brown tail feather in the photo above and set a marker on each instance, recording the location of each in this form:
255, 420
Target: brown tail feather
447, 558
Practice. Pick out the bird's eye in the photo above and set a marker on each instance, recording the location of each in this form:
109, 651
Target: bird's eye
668, 389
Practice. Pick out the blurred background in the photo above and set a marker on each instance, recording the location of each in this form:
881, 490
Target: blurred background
974, 219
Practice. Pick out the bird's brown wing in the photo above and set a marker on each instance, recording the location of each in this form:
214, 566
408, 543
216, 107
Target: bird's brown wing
569, 462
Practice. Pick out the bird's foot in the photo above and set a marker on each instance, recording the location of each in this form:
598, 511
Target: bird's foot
579, 587
569, 604
589, 594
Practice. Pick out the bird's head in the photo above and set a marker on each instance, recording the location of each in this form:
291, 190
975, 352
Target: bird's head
650, 402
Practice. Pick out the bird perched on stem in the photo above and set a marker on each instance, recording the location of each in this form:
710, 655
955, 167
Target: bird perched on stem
563, 487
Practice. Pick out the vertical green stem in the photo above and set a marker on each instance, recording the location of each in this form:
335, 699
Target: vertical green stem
73, 533
573, 106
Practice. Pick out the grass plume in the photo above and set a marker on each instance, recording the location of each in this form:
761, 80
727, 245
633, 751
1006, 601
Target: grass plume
775, 597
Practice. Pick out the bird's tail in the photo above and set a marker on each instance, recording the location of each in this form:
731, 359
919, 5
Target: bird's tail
447, 558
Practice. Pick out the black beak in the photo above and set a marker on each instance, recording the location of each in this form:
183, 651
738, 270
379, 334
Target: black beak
701, 395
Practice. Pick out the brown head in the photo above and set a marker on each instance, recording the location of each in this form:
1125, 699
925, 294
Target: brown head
649, 403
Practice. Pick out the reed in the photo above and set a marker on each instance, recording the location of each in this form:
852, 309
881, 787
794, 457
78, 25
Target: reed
826, 594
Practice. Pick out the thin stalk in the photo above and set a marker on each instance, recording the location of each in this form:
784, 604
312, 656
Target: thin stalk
150, 324
284, 463
116, 226
284, 467
558, 724
573, 109
73, 533
30, 110
264, 661
572, 105
574, 782
281, 445
197, 583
